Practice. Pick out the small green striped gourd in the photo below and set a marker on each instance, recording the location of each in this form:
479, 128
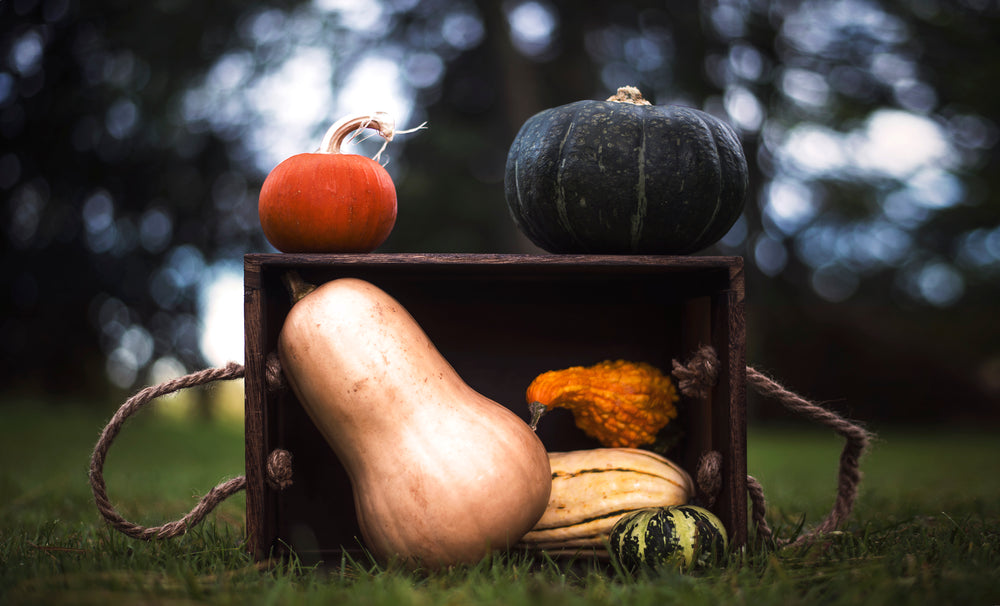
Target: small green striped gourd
683, 536
592, 489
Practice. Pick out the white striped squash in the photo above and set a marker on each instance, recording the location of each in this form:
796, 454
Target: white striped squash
593, 489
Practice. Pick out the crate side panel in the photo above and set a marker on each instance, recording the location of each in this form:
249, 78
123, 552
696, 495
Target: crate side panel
259, 513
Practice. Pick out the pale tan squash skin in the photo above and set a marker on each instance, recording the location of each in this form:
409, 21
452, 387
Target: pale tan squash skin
593, 489
441, 474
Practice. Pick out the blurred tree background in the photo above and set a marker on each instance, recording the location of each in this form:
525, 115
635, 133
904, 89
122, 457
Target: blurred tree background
135, 138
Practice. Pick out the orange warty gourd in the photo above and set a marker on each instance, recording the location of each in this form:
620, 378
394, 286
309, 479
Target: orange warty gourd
621, 404
328, 201
441, 474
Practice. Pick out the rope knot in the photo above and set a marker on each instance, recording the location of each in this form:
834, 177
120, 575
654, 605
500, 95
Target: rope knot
710, 476
697, 378
274, 378
279, 469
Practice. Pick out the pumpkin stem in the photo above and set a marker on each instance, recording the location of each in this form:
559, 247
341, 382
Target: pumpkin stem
629, 94
538, 410
335, 135
381, 122
297, 287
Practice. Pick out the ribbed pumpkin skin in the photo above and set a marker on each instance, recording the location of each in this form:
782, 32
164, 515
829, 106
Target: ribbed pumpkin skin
327, 203
686, 536
608, 177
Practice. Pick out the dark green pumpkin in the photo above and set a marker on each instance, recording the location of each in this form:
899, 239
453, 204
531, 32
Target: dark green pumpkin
625, 177
683, 536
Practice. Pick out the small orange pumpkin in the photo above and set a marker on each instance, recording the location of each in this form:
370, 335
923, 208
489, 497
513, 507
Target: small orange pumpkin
328, 201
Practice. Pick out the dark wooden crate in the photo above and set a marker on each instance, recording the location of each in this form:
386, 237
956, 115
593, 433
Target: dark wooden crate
500, 320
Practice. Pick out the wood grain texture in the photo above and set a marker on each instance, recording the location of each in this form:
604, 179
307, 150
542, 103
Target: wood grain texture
255, 428
581, 262
733, 354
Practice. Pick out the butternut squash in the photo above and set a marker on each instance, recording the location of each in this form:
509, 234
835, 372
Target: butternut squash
441, 474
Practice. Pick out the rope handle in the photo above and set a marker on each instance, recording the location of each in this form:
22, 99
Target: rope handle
696, 379
278, 463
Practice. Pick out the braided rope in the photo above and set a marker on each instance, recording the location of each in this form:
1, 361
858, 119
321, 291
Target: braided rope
856, 441
279, 461
756, 493
696, 379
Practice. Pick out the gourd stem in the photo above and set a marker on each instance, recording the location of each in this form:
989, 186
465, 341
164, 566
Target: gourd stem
538, 410
297, 287
335, 135
629, 94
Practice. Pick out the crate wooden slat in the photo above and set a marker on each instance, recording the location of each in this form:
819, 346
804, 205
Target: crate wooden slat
500, 320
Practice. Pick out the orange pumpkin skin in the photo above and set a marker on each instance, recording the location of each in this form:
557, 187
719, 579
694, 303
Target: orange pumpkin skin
327, 203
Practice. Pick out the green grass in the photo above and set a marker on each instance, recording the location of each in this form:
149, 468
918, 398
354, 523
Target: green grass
926, 529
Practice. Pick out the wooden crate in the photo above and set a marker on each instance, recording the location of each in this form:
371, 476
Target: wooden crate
500, 320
